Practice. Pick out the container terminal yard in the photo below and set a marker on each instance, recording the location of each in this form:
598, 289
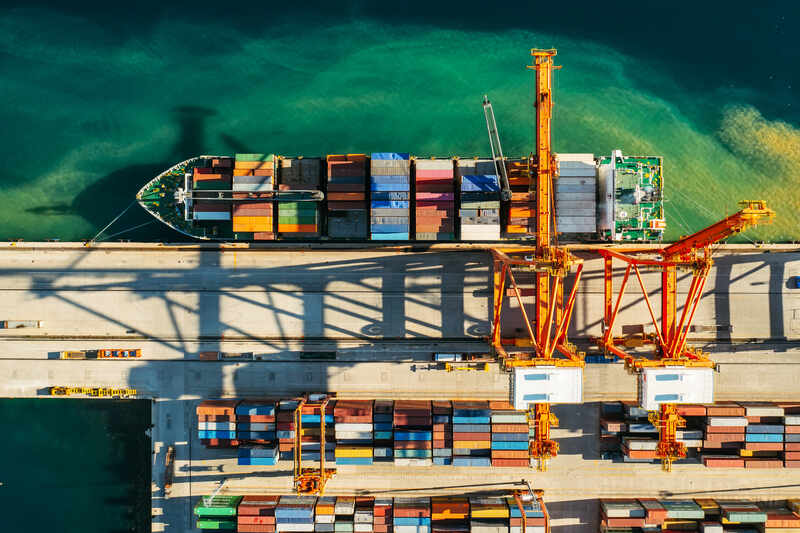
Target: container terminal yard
488, 384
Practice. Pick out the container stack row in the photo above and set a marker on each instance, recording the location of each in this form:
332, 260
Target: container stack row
723, 435
216, 423
435, 200
479, 210
217, 177
217, 513
705, 515
449, 514
383, 425
509, 436
364, 514
382, 515
256, 431
256, 514
354, 432
472, 436
413, 433
521, 216
501, 515
347, 196
390, 192
442, 432
411, 515
576, 190
299, 220
362, 432
325, 516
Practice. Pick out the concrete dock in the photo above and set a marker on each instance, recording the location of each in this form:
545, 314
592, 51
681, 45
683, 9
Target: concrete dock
383, 313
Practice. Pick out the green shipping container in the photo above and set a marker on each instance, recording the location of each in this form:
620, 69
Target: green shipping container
217, 506
212, 185
297, 219
746, 517
255, 157
217, 525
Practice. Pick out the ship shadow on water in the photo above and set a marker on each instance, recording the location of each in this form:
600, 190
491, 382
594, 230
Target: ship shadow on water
102, 200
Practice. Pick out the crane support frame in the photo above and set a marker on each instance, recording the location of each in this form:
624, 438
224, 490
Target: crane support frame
310, 481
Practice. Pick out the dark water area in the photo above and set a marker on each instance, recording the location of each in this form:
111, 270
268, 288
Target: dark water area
75, 466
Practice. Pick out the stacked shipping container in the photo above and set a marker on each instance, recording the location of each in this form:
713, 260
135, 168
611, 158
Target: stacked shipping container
704, 515
216, 423
345, 509
471, 434
347, 196
726, 434
509, 426
217, 512
576, 190
295, 513
285, 428
299, 219
255, 427
479, 211
382, 418
411, 515
390, 193
354, 432
791, 420
435, 200
521, 216
413, 433
449, 515
442, 432
256, 514
382, 516
325, 514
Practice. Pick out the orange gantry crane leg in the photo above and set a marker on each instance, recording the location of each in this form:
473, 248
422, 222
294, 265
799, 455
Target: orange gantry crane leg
546, 330
310, 481
692, 253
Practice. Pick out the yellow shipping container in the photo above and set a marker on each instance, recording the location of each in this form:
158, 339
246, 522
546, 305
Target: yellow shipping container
472, 444
252, 224
448, 515
680, 525
346, 451
324, 508
708, 505
490, 511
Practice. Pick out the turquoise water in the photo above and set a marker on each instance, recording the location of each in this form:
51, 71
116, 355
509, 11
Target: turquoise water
95, 103
75, 466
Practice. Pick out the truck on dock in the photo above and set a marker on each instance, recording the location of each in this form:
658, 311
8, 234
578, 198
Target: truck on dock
16, 324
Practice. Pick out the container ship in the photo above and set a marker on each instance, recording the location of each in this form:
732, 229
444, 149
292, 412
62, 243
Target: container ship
393, 196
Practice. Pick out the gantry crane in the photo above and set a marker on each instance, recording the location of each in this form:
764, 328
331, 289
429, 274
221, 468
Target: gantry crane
692, 253
310, 481
546, 343
521, 496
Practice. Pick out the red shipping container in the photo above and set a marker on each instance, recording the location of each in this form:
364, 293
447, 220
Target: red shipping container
255, 418
794, 430
411, 512
217, 407
434, 187
255, 528
510, 454
692, 410
263, 236
422, 173
764, 446
509, 428
723, 462
255, 519
412, 445
791, 446
725, 409
624, 522
763, 463
725, 429
791, 464
346, 196
380, 528
215, 418
791, 456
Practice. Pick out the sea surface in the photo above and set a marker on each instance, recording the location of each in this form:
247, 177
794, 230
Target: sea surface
74, 466
97, 99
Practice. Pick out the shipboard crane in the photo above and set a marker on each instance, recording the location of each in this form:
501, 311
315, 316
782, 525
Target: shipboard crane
691, 253
497, 149
310, 481
544, 360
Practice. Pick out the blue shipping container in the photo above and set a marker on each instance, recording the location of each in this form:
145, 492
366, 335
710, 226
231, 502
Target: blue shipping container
255, 410
389, 155
206, 434
413, 435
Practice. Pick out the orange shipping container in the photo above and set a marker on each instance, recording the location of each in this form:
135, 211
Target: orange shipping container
253, 164
242, 172
252, 224
297, 228
510, 454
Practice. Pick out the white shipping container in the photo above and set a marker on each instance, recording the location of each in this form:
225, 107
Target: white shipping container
344, 427
324, 518
353, 435
762, 409
411, 529
711, 527
404, 461
691, 443
259, 426
434, 164
689, 434
565, 172
640, 444
675, 385
528, 529
362, 528
727, 421
546, 384
216, 426
294, 527
791, 420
